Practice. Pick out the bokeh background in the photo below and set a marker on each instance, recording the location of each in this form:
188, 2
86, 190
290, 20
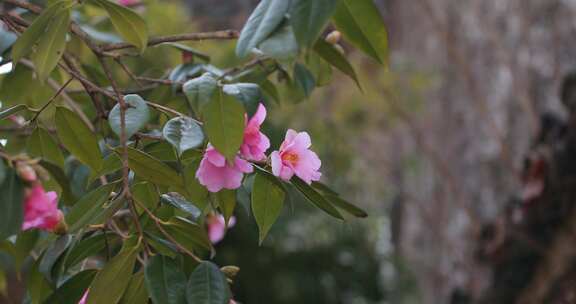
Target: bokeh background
433, 148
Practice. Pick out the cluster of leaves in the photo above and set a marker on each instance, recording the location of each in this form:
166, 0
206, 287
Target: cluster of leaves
123, 155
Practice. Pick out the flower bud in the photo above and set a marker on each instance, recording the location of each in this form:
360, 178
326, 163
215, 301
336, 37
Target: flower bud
61, 228
334, 37
26, 172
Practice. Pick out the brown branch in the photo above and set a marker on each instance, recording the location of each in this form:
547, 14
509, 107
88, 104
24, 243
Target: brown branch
217, 35
60, 90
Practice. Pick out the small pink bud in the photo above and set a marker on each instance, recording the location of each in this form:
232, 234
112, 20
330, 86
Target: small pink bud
26, 172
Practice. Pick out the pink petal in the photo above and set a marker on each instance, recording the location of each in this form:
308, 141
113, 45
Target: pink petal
276, 163
259, 117
215, 157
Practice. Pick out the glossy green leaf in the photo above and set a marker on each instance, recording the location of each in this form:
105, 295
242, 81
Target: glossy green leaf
73, 289
227, 202
136, 115
89, 208
361, 24
267, 202
188, 234
207, 285
309, 17
11, 197
111, 282
36, 30
247, 93
224, 124
165, 281
281, 44
110, 164
129, 24
320, 69
41, 144
12, 110
151, 169
262, 22
78, 138
52, 44
336, 59
176, 200
315, 198
136, 292
183, 133
199, 90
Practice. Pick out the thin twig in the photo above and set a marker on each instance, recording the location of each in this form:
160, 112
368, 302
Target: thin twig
51, 99
217, 35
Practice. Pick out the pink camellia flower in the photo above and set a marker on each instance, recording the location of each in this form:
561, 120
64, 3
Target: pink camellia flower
255, 142
217, 227
41, 209
215, 173
84, 298
295, 157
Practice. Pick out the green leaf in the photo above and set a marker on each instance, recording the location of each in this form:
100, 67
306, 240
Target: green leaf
336, 59
152, 170
40, 143
195, 192
337, 201
224, 124
199, 90
36, 30
315, 198
247, 93
73, 289
11, 111
189, 235
176, 200
24, 244
165, 281
128, 24
3, 171
110, 164
38, 287
136, 115
89, 208
11, 198
304, 79
361, 24
111, 282
309, 17
136, 292
52, 255
281, 44
51, 45
88, 247
262, 22
78, 138
146, 194
320, 68
267, 202
227, 202
183, 133
207, 285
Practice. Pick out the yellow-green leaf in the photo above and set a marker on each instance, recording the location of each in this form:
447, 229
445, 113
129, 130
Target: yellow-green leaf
128, 23
224, 123
362, 25
41, 144
152, 169
51, 44
111, 282
267, 202
75, 135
